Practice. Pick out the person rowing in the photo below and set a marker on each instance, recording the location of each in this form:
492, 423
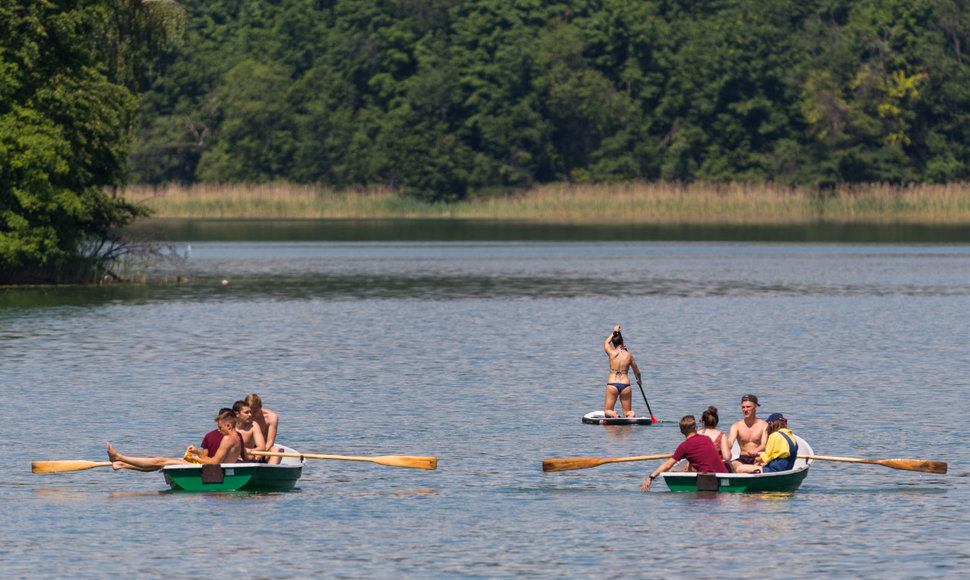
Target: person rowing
618, 382
229, 450
268, 422
699, 451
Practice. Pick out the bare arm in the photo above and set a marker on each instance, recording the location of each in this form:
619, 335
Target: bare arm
272, 422
259, 442
608, 343
225, 448
725, 449
608, 346
732, 435
636, 370
664, 467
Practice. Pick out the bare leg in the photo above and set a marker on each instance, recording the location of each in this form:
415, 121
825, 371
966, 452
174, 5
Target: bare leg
611, 394
626, 400
744, 467
120, 461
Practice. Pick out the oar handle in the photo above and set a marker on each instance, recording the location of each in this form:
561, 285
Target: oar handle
310, 455
639, 458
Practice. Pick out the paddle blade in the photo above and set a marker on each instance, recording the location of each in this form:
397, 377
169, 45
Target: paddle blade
407, 461
571, 463
59, 466
915, 465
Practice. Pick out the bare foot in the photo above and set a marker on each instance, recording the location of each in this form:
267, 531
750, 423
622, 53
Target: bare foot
630, 414
113, 455
610, 414
118, 465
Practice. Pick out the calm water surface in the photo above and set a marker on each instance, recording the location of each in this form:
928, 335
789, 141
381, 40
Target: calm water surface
487, 355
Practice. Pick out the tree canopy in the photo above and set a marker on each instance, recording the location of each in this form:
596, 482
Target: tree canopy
442, 97
66, 114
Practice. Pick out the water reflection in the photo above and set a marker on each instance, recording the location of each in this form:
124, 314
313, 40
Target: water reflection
343, 230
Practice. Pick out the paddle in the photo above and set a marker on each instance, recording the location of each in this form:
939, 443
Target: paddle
908, 464
652, 418
392, 460
586, 462
59, 466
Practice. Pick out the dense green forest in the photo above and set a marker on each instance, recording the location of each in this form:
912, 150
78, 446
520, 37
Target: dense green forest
68, 69
438, 98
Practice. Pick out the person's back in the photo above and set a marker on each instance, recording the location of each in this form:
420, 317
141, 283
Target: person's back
701, 454
211, 442
709, 420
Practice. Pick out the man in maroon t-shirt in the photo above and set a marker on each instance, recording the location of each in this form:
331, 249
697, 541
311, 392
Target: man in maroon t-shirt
699, 451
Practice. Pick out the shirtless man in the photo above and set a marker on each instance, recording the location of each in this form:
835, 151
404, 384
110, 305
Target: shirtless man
267, 421
751, 435
229, 451
252, 437
618, 383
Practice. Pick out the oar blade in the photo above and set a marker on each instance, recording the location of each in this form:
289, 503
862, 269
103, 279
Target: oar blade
61, 466
571, 463
915, 465
407, 461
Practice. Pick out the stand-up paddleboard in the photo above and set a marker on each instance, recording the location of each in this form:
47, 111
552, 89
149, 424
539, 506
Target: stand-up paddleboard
600, 418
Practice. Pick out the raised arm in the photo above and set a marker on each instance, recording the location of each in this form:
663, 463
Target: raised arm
608, 343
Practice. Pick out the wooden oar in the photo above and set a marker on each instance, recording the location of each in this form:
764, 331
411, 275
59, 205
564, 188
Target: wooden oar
59, 466
586, 462
908, 464
392, 460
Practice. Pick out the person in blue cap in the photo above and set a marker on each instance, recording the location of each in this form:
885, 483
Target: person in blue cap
781, 449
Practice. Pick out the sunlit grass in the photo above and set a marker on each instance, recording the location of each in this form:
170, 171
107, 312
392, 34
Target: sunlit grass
656, 203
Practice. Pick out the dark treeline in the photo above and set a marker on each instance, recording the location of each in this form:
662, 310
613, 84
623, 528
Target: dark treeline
439, 98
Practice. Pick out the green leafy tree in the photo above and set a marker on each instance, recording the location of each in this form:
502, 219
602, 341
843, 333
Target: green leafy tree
64, 129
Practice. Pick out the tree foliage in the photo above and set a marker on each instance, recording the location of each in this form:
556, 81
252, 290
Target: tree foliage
444, 97
65, 124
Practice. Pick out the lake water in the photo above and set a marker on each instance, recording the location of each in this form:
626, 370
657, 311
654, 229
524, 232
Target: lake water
486, 355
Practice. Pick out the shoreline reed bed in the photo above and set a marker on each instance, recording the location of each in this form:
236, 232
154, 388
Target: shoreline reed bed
639, 202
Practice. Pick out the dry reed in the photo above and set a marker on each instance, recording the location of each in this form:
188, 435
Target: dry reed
649, 203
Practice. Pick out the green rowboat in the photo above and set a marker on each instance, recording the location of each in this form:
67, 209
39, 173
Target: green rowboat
236, 476
678, 479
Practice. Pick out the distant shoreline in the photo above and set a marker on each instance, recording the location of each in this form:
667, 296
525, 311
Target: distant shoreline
580, 204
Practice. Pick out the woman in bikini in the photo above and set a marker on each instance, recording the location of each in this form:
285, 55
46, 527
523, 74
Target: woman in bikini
618, 383
709, 420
